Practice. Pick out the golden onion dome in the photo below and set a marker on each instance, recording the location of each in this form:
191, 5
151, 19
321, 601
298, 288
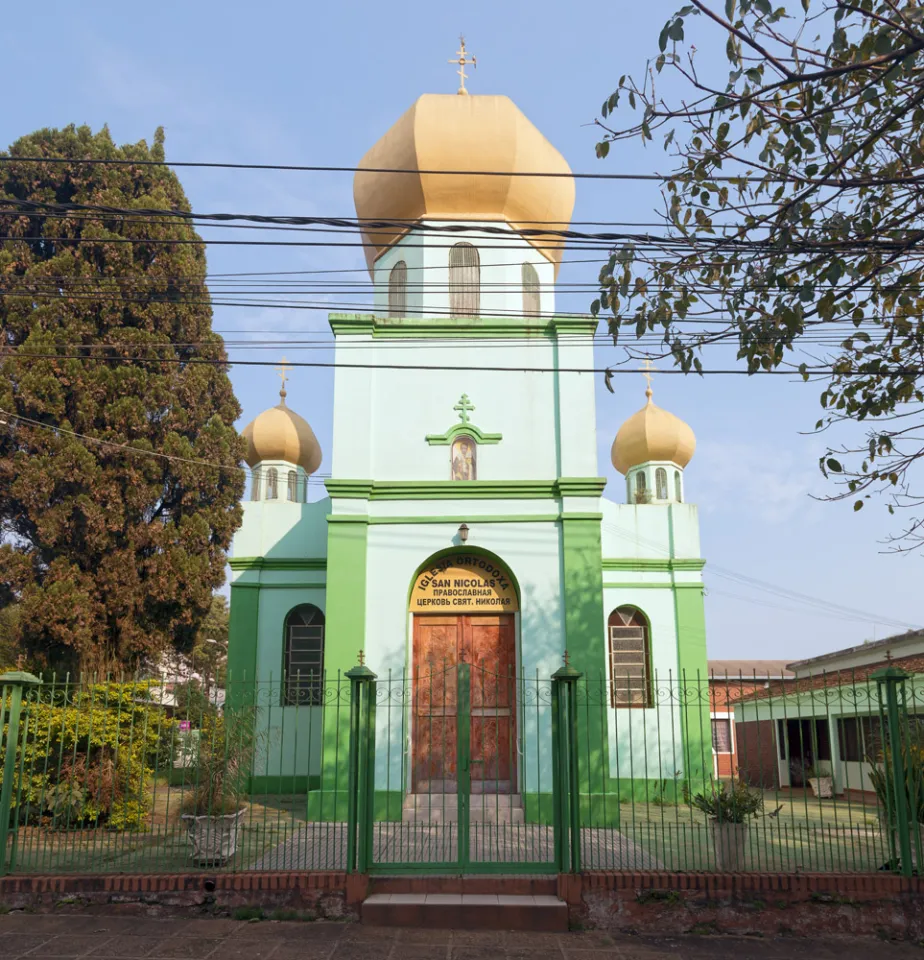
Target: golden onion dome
281, 434
473, 135
652, 434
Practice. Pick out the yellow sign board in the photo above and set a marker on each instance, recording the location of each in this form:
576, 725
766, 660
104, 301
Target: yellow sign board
464, 583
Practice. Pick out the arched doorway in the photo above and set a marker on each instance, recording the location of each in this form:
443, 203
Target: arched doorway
464, 605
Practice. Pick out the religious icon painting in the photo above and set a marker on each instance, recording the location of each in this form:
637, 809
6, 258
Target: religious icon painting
463, 458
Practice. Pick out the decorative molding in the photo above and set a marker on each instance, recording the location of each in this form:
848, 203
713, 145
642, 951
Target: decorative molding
466, 489
471, 328
462, 430
455, 519
651, 566
663, 585
277, 563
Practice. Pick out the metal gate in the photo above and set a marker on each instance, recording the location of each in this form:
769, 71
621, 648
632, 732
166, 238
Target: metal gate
476, 785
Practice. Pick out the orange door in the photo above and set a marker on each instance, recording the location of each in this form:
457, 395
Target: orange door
437, 641
487, 643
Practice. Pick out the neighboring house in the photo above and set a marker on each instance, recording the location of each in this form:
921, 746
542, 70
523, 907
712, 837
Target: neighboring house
826, 718
730, 680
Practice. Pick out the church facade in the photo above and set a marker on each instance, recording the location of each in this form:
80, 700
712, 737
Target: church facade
465, 520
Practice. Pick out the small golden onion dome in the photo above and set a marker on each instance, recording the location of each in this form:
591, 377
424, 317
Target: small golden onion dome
281, 434
652, 434
472, 135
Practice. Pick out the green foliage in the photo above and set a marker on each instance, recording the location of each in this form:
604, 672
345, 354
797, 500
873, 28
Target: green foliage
111, 556
880, 775
735, 803
223, 765
793, 229
90, 756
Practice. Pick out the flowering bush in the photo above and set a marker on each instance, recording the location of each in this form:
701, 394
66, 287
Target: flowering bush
90, 754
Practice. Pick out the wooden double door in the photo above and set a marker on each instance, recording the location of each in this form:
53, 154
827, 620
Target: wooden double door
482, 697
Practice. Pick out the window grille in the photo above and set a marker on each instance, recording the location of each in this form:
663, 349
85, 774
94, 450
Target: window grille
304, 656
630, 670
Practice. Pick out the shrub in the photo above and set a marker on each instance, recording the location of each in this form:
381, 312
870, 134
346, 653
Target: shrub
90, 754
222, 766
729, 804
880, 775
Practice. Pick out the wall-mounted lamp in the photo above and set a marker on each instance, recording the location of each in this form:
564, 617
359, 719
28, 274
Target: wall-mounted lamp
463, 532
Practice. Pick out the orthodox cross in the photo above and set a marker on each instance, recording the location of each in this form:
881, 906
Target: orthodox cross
646, 373
362, 658
567, 659
464, 407
462, 60
282, 368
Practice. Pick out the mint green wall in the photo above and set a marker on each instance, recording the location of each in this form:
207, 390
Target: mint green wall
277, 528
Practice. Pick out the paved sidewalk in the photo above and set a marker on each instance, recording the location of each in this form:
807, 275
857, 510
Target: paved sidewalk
42, 936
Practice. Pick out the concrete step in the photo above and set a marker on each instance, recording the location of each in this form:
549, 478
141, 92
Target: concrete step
513, 885
444, 808
468, 911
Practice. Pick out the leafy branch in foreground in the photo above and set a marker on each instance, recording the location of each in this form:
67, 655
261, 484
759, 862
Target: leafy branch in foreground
793, 217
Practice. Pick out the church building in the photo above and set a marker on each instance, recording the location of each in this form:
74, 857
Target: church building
465, 518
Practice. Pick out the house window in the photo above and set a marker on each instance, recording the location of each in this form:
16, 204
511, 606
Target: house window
292, 486
721, 736
641, 487
859, 738
464, 281
255, 486
678, 487
661, 483
304, 656
630, 662
530, 291
272, 484
397, 290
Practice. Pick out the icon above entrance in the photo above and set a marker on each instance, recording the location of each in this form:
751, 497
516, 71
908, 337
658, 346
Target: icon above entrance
464, 582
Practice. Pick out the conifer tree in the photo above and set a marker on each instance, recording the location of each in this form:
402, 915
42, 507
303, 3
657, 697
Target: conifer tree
111, 556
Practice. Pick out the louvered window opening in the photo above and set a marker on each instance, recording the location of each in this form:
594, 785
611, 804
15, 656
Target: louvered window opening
304, 661
530, 291
464, 281
661, 483
292, 486
641, 488
255, 486
272, 484
397, 290
678, 487
629, 660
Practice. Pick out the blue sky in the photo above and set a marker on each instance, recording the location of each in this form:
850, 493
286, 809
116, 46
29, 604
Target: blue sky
308, 83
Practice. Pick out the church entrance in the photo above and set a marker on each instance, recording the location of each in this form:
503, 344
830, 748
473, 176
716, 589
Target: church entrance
483, 698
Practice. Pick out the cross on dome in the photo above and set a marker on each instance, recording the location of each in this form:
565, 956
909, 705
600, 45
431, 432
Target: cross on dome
283, 375
461, 59
646, 373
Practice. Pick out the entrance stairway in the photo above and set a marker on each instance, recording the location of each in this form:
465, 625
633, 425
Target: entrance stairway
444, 808
469, 903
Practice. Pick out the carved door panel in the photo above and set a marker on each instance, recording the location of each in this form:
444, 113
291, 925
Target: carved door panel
489, 646
435, 680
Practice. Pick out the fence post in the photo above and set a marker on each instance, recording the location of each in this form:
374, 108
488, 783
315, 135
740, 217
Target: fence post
891, 683
358, 808
11, 687
566, 800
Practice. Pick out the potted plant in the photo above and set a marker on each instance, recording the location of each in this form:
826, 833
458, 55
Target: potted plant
821, 781
729, 807
215, 803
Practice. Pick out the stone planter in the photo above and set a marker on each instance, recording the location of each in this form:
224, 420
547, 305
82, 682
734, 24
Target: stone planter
213, 839
822, 787
730, 841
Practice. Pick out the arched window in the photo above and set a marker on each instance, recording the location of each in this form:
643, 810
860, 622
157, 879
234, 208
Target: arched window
661, 483
272, 484
292, 486
304, 656
641, 487
678, 487
464, 281
397, 290
530, 291
630, 658
255, 486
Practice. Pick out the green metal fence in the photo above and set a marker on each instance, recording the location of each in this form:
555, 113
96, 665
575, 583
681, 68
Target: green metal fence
460, 769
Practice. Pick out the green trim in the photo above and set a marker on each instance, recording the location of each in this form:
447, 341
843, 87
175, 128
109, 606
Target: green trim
456, 518
638, 564
664, 585
300, 585
582, 516
243, 635
471, 328
283, 785
466, 489
278, 563
462, 430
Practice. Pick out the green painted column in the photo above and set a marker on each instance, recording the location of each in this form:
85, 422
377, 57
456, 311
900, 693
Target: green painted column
243, 636
585, 640
693, 684
344, 637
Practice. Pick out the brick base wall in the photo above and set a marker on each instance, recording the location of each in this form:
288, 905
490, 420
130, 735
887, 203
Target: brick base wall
768, 905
